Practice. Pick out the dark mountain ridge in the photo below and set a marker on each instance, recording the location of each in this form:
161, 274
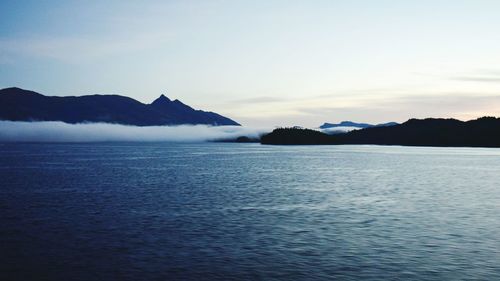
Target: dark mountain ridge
482, 132
355, 124
22, 105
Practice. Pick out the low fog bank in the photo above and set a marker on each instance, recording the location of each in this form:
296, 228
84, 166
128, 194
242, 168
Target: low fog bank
56, 131
338, 130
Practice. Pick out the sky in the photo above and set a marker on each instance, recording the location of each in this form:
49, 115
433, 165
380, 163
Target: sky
264, 63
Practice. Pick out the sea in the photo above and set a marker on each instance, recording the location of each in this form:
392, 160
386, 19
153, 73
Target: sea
236, 211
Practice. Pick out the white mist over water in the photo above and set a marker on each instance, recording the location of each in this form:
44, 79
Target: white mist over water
338, 130
56, 131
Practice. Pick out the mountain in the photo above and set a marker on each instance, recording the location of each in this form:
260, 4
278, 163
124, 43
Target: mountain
482, 132
22, 105
355, 125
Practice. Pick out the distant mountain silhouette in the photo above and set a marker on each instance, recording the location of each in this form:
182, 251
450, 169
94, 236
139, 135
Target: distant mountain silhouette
22, 105
482, 132
355, 125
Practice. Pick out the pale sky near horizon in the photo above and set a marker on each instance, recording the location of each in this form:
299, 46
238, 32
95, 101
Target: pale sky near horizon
264, 63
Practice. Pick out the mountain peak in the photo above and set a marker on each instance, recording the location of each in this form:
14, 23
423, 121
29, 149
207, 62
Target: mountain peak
178, 102
18, 91
162, 99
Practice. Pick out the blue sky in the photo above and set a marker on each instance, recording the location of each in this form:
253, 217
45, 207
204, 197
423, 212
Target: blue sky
264, 62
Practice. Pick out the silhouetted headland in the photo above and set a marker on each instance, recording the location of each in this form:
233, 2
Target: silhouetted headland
296, 135
482, 132
22, 105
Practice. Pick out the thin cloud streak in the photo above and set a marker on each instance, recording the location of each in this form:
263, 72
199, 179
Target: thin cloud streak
262, 99
77, 50
481, 75
477, 79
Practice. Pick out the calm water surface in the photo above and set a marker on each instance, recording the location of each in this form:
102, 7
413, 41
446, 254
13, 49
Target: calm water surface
163, 211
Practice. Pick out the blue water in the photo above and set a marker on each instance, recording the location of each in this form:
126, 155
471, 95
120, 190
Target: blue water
163, 211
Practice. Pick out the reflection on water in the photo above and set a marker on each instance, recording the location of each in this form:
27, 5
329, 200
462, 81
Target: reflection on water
158, 211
